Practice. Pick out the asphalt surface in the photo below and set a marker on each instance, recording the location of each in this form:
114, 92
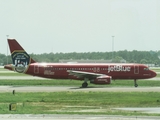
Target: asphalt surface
145, 110
74, 117
76, 89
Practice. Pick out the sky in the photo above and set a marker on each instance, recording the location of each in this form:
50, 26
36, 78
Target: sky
56, 26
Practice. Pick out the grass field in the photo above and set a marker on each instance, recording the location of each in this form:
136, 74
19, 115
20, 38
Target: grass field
156, 69
13, 74
78, 102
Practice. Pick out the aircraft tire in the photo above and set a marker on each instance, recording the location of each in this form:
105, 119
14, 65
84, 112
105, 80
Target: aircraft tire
136, 85
84, 85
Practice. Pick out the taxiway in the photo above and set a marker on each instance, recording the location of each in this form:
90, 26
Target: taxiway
76, 89
74, 117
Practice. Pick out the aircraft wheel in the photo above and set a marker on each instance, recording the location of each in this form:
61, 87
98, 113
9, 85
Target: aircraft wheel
84, 85
136, 85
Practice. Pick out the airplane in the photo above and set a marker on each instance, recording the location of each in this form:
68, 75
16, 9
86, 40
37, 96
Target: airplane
96, 73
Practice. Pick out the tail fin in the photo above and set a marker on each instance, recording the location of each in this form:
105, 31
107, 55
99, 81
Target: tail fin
20, 58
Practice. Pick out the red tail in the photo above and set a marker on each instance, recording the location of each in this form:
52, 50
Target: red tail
15, 47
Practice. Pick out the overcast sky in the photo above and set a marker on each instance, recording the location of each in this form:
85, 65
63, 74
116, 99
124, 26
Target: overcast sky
44, 26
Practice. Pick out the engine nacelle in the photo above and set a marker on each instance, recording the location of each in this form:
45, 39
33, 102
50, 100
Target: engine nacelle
102, 80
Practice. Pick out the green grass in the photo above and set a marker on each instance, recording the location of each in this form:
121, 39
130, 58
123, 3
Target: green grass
78, 102
13, 74
158, 75
156, 70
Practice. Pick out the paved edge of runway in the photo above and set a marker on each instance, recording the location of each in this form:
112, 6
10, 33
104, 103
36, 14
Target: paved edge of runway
76, 89
75, 117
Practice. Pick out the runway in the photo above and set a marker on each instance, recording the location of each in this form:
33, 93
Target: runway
76, 89
74, 117
145, 110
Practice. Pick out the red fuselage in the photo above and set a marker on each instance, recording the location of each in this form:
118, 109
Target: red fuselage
116, 71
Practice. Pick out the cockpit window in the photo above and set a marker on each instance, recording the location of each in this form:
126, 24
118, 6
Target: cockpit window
146, 68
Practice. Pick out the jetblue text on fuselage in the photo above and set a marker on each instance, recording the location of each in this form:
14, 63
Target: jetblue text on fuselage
118, 68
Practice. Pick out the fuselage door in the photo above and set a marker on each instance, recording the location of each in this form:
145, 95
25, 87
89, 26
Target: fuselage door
136, 69
36, 69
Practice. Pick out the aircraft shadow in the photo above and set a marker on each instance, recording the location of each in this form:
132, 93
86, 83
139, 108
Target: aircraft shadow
89, 87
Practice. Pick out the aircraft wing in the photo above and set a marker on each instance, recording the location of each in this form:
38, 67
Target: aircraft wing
81, 74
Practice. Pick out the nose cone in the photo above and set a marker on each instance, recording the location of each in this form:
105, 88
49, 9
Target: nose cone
9, 67
154, 74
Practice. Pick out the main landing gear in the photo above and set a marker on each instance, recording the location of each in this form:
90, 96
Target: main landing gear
85, 84
135, 83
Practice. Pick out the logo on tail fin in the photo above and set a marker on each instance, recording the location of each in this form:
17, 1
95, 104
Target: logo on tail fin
21, 61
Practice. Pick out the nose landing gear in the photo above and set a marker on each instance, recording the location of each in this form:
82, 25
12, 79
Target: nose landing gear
135, 83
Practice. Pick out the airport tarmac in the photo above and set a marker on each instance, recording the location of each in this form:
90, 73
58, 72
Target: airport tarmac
76, 89
145, 110
73, 117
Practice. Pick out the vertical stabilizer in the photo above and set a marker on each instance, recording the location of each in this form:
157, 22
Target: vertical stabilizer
20, 58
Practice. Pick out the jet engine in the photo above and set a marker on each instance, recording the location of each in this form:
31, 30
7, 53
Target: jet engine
102, 80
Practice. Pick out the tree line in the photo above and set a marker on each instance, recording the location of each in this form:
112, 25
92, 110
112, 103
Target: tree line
144, 57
